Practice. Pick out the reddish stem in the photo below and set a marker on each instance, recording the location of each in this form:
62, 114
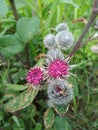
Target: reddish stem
12, 3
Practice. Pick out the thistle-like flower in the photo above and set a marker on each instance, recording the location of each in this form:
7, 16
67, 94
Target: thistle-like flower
49, 41
58, 68
59, 92
64, 39
34, 76
61, 27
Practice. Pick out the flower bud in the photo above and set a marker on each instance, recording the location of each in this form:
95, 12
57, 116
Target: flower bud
61, 27
59, 92
49, 41
64, 39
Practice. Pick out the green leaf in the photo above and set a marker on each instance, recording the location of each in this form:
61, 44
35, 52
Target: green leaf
60, 123
21, 101
48, 118
7, 26
70, 2
3, 8
16, 121
38, 126
10, 45
9, 96
74, 83
51, 15
19, 124
27, 28
1, 115
29, 111
61, 109
18, 75
4, 77
16, 87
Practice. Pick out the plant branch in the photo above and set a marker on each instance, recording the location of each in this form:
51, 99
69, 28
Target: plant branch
20, 59
92, 18
27, 56
88, 40
12, 3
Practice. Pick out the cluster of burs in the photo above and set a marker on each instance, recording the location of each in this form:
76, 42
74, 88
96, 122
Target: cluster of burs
57, 71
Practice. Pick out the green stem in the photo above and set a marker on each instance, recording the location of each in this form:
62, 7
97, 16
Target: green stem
7, 69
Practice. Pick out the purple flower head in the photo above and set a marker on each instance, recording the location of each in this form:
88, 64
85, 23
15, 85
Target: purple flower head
58, 68
58, 89
34, 76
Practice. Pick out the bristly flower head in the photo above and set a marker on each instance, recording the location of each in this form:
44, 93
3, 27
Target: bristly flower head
34, 76
64, 39
59, 92
61, 27
58, 68
54, 54
49, 41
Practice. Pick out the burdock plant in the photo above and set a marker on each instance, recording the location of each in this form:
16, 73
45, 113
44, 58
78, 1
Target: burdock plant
51, 73
57, 68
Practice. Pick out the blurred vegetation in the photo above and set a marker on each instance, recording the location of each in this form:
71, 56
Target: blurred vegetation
21, 42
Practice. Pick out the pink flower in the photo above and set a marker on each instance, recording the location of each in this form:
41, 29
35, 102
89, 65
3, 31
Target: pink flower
34, 76
58, 68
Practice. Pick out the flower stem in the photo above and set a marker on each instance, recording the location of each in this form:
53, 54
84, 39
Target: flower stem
27, 56
12, 3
